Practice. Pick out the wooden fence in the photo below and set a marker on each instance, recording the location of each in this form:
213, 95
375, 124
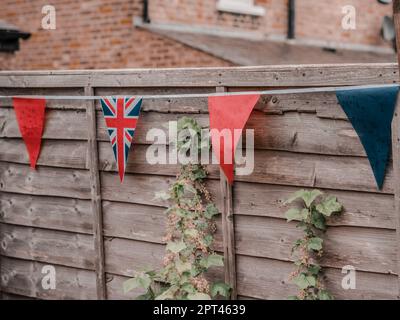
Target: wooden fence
73, 213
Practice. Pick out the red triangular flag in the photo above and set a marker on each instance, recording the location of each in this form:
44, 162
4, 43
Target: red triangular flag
30, 117
228, 112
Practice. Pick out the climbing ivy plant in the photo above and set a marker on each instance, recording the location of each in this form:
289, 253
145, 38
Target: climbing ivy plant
316, 208
189, 237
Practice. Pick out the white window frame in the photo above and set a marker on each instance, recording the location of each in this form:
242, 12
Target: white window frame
240, 6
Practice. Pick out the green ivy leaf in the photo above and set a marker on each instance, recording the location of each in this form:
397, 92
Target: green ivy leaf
162, 195
307, 196
147, 296
178, 189
208, 240
139, 281
328, 206
303, 281
199, 296
315, 244
215, 260
314, 269
190, 188
318, 220
191, 233
220, 288
176, 247
211, 210
168, 294
189, 288
296, 214
182, 266
310, 196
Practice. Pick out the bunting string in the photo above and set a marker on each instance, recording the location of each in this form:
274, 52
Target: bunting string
205, 95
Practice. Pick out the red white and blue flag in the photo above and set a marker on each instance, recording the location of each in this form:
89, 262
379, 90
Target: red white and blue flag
121, 115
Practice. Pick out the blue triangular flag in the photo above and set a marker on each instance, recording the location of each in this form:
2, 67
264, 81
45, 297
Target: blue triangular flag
370, 111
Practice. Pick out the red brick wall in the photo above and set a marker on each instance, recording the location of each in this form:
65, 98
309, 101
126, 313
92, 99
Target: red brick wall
99, 33
315, 19
92, 34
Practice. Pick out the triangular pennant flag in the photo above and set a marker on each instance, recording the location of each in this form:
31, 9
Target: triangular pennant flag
228, 113
121, 115
370, 111
30, 117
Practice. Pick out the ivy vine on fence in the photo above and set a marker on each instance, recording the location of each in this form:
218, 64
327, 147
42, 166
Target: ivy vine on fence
316, 208
190, 230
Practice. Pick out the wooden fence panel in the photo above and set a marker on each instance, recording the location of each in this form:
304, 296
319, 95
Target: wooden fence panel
301, 141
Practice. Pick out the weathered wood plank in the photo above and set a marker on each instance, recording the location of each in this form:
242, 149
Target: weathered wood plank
59, 124
307, 170
24, 278
95, 188
66, 214
55, 153
276, 167
228, 228
44, 181
138, 222
50, 104
396, 146
271, 167
138, 189
360, 209
47, 246
263, 237
124, 257
373, 210
297, 132
273, 76
141, 189
269, 279
366, 249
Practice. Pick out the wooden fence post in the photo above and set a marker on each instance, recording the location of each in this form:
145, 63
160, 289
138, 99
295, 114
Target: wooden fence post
228, 229
93, 165
396, 145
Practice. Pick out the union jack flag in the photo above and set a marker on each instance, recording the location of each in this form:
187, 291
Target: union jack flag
121, 115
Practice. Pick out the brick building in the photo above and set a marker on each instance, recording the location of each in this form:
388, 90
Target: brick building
181, 33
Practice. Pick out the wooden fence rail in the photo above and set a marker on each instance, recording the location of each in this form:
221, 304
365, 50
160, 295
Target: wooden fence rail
73, 213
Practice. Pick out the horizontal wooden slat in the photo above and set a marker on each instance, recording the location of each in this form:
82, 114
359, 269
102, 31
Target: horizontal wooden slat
359, 206
276, 167
291, 75
269, 279
291, 132
265, 237
64, 154
125, 257
59, 124
371, 250
18, 178
47, 246
142, 255
46, 212
24, 278
140, 222
273, 167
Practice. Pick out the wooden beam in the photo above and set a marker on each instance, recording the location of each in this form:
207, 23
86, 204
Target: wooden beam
206, 78
228, 229
396, 145
93, 165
